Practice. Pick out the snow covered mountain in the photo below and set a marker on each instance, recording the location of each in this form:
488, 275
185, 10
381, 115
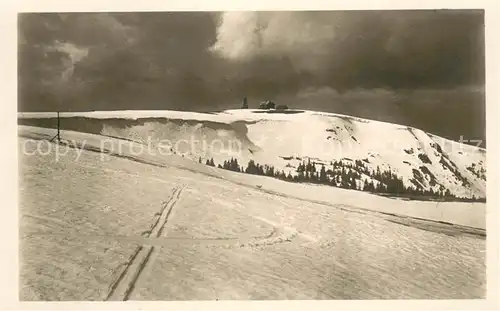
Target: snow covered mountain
284, 140
129, 226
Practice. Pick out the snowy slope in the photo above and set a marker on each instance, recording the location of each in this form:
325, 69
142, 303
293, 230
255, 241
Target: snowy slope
88, 218
285, 140
460, 213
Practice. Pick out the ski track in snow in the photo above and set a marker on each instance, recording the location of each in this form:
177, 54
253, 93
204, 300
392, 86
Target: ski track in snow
126, 282
124, 286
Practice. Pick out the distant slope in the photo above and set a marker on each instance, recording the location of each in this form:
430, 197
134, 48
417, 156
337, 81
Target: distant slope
282, 140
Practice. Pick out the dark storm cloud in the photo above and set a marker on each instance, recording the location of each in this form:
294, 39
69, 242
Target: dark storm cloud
206, 61
133, 59
346, 50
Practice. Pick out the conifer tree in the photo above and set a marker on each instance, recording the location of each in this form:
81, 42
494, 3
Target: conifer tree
322, 175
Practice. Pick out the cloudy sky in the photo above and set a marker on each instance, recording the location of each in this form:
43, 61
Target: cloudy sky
421, 68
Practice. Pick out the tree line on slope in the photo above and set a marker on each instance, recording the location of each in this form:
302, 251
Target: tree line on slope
355, 176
